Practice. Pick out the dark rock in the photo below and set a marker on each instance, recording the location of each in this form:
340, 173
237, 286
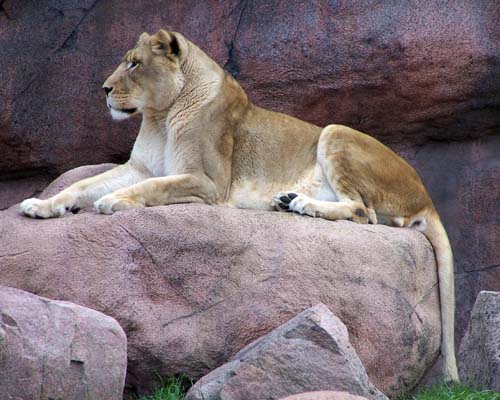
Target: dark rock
13, 191
479, 356
401, 71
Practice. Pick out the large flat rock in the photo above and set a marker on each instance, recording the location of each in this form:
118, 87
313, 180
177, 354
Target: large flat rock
193, 284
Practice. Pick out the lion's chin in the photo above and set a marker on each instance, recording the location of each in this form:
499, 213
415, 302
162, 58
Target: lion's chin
122, 114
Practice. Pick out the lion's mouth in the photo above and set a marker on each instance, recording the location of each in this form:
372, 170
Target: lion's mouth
121, 113
125, 110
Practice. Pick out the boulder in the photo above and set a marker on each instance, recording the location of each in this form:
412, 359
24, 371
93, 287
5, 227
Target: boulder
58, 350
193, 284
309, 352
324, 395
479, 356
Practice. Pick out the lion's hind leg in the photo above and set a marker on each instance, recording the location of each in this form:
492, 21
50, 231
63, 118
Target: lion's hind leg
331, 210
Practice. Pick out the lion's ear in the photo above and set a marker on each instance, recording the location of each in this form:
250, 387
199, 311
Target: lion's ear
144, 38
165, 43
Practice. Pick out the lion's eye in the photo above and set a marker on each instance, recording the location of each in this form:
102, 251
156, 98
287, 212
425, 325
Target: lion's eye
132, 64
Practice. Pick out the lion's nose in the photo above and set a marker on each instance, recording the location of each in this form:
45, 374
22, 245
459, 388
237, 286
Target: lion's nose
107, 89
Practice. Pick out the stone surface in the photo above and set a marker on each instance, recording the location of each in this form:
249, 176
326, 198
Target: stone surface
192, 284
324, 395
479, 356
385, 68
58, 350
311, 351
420, 76
13, 191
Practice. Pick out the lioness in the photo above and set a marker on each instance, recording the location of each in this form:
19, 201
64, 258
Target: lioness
202, 140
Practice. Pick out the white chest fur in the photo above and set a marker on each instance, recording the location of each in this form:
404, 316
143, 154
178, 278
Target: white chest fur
149, 150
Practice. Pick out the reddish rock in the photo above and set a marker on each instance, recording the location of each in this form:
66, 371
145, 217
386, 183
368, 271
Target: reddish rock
13, 191
193, 284
324, 395
311, 351
401, 71
58, 350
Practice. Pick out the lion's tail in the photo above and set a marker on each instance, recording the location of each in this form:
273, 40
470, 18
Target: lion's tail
436, 234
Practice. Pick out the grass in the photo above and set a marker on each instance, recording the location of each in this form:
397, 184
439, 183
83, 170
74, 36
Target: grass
452, 392
175, 389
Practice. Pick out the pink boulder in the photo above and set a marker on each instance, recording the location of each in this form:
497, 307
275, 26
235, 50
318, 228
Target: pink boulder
58, 350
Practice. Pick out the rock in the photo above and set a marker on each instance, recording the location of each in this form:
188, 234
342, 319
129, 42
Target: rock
311, 351
14, 191
479, 356
192, 284
389, 75
58, 350
324, 395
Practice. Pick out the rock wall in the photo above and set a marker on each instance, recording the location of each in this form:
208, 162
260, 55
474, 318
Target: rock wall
423, 77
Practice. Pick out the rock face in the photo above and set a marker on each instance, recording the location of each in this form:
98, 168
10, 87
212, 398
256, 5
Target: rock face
421, 77
58, 350
323, 62
192, 284
324, 395
311, 351
479, 356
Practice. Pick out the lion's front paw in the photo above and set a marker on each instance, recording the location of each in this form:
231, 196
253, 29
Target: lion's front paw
36, 208
114, 202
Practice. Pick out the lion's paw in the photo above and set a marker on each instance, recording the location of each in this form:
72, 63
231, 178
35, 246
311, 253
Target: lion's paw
113, 202
36, 208
289, 201
281, 201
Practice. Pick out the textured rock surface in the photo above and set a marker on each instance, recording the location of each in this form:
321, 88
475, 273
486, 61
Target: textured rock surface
324, 395
400, 71
479, 356
420, 76
191, 284
14, 191
58, 350
311, 351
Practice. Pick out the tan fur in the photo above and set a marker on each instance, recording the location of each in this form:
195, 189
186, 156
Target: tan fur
202, 140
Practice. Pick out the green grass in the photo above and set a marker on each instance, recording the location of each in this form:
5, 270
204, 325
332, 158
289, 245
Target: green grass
453, 392
174, 389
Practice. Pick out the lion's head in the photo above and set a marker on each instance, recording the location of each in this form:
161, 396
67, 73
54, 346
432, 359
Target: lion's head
149, 78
